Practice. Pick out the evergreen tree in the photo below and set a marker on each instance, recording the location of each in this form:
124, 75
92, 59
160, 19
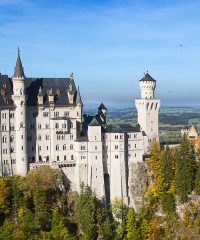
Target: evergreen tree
197, 180
86, 212
184, 172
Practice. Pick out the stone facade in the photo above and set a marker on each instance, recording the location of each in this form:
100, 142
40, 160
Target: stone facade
42, 123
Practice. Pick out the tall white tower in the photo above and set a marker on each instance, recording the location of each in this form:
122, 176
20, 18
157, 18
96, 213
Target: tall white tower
148, 107
19, 98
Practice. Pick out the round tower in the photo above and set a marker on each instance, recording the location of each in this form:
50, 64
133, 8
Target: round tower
19, 98
148, 107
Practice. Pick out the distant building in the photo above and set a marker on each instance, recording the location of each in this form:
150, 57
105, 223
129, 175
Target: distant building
42, 123
192, 134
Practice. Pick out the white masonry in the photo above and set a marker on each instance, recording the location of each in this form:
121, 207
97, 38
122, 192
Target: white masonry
42, 123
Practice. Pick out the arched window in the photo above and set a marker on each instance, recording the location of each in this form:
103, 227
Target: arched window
47, 158
71, 147
57, 147
72, 157
71, 125
39, 137
65, 157
4, 139
21, 125
3, 127
64, 147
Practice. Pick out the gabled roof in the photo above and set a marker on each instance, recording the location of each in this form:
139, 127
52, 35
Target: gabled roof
102, 106
147, 77
94, 122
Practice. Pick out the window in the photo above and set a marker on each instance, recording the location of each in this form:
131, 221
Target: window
57, 147
116, 146
40, 148
95, 147
39, 126
4, 139
12, 115
22, 147
57, 158
135, 146
66, 113
47, 158
56, 114
72, 157
5, 151
3, 115
82, 147
39, 137
58, 137
47, 147
45, 114
12, 150
135, 135
64, 147
12, 128
21, 125
46, 126
96, 157
47, 137
116, 156
129, 135
71, 136
57, 125
22, 137
71, 147
13, 161
71, 125
65, 157
4, 127
121, 136
116, 136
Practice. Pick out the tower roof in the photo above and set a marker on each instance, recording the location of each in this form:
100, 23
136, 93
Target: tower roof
19, 70
102, 106
148, 77
78, 97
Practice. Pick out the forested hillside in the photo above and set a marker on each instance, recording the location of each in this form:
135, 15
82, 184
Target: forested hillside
40, 206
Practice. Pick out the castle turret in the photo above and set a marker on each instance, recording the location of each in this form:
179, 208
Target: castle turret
148, 107
19, 98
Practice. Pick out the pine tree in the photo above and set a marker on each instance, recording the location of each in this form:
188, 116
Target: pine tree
86, 213
197, 180
184, 172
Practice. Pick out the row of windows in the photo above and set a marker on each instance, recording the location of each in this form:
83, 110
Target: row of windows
4, 115
134, 135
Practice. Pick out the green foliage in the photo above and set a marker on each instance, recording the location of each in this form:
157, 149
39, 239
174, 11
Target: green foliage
86, 211
168, 203
184, 171
197, 180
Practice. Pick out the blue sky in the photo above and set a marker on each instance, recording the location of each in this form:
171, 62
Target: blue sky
108, 45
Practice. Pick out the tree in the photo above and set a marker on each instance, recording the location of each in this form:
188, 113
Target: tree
132, 229
184, 170
86, 213
197, 180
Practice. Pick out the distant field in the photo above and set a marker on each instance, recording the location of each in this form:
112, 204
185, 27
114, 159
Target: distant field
171, 120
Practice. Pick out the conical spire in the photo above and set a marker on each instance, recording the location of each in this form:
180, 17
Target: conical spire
19, 70
78, 97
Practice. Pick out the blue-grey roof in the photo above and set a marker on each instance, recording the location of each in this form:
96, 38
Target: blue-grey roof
147, 77
19, 70
5, 91
122, 128
57, 86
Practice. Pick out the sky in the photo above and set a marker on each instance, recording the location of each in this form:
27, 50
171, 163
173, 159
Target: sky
108, 45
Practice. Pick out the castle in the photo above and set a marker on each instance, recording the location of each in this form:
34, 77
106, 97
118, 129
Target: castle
42, 123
